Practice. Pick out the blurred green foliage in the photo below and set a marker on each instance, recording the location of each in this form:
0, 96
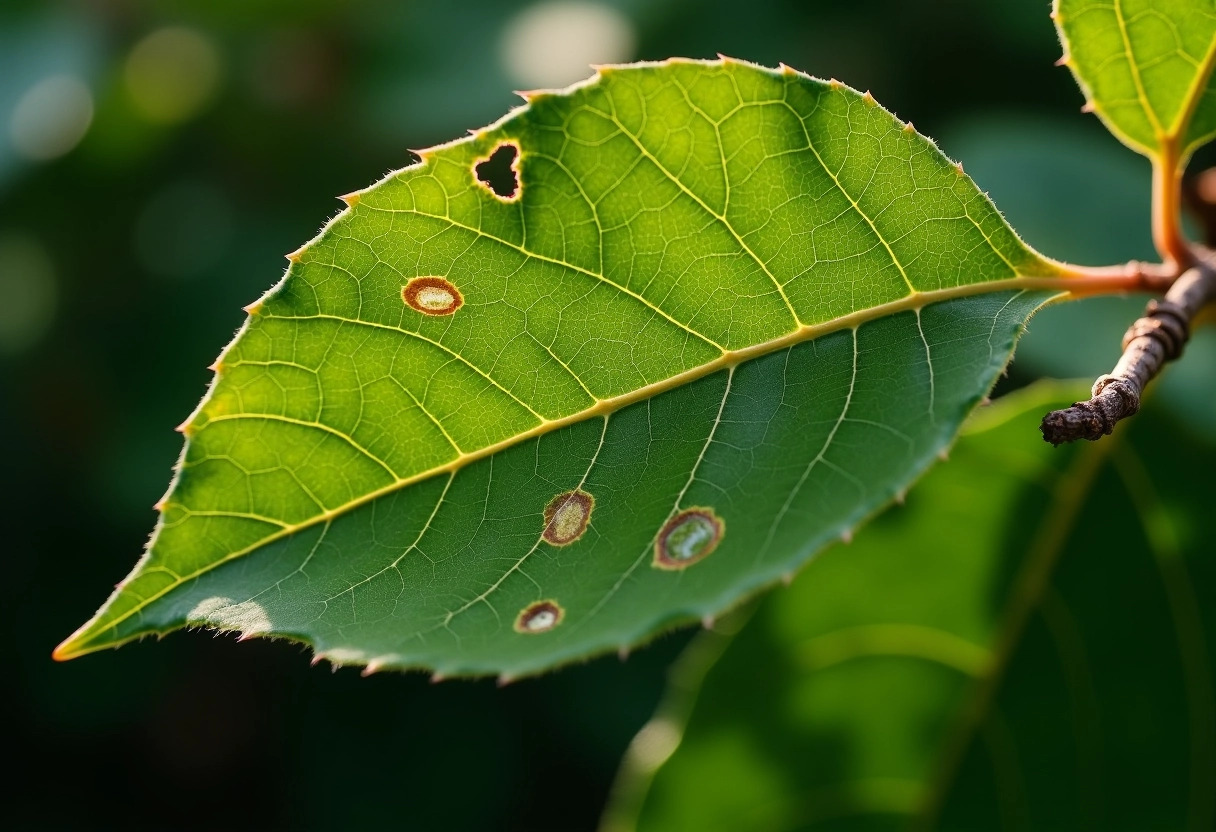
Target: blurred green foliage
1037, 659
124, 263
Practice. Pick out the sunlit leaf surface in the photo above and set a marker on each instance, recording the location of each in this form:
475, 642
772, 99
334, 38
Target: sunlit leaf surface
1028, 644
1146, 68
704, 319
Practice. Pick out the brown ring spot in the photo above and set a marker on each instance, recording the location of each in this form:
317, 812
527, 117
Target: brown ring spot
539, 617
432, 296
687, 538
567, 517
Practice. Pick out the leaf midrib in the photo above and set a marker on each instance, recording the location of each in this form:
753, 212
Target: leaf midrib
606, 406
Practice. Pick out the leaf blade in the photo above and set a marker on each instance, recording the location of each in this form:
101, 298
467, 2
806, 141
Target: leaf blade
600, 287
1145, 67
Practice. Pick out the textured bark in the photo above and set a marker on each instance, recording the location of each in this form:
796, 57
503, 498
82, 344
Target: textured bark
1148, 344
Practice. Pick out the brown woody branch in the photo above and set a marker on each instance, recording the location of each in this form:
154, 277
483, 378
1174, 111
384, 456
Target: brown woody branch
1149, 343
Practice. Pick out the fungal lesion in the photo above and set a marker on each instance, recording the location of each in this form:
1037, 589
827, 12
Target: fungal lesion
687, 538
432, 296
567, 516
539, 617
499, 174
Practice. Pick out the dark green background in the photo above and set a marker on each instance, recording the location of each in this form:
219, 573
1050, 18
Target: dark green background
317, 99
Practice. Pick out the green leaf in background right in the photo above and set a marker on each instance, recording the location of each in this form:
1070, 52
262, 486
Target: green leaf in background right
1038, 658
1146, 68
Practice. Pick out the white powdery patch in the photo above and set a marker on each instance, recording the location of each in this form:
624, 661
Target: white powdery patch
247, 616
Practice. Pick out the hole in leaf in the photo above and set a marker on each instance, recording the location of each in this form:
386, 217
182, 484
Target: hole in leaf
432, 296
539, 617
499, 172
687, 538
567, 517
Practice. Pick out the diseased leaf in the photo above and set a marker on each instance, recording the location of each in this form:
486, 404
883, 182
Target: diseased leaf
1146, 68
710, 318
1028, 644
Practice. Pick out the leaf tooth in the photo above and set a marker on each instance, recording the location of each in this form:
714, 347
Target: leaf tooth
253, 308
944, 454
438, 677
297, 255
622, 652
787, 578
707, 621
835, 85
869, 99
216, 366
504, 680
372, 667
186, 428
1087, 107
958, 168
351, 199
901, 497
908, 128
846, 537
317, 658
1064, 60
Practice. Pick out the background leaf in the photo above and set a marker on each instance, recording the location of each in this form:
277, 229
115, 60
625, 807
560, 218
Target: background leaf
1146, 68
739, 293
1043, 659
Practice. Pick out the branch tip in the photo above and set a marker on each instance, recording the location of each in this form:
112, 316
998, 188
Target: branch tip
1151, 341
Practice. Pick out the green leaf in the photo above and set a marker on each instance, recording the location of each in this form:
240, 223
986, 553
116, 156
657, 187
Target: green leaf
733, 309
1145, 67
1028, 644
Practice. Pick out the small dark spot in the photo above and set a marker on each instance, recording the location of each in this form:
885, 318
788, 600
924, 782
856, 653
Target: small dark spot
567, 517
539, 617
499, 172
687, 538
432, 296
